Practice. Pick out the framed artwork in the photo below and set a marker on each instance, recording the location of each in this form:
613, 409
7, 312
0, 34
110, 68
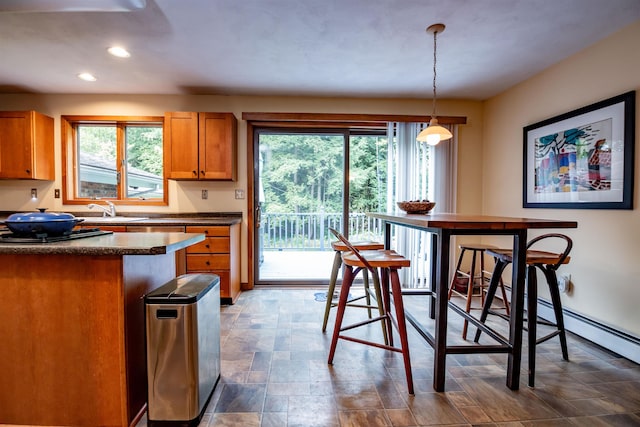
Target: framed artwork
582, 159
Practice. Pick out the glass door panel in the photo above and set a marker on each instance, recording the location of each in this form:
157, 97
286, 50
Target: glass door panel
300, 193
367, 184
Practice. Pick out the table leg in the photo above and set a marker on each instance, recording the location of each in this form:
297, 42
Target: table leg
442, 305
432, 275
517, 304
387, 235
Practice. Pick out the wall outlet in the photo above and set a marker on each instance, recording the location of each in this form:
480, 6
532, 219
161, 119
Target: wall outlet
205, 194
564, 284
239, 194
56, 193
34, 193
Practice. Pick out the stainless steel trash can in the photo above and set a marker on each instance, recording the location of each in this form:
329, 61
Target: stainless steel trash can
183, 348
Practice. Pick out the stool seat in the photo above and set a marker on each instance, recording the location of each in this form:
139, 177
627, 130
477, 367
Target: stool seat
476, 246
382, 264
376, 259
547, 262
361, 246
533, 256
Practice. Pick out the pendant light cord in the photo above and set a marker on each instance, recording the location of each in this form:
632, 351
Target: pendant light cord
435, 35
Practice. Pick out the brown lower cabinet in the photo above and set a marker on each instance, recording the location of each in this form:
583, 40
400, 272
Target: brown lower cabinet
219, 254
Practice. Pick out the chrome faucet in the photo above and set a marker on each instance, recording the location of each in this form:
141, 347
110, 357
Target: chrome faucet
106, 211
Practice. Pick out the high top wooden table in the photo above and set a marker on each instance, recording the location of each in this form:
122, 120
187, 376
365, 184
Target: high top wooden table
442, 227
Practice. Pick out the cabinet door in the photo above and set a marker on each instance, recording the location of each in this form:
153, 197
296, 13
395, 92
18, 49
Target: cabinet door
217, 146
26, 145
181, 145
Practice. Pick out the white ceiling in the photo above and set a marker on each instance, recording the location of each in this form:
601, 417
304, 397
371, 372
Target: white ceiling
370, 48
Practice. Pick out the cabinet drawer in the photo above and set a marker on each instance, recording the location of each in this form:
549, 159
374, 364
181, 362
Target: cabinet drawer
202, 262
211, 245
210, 231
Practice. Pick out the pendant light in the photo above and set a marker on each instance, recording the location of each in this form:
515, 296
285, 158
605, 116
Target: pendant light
434, 133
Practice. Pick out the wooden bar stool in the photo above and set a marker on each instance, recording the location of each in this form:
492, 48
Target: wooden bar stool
339, 248
383, 266
471, 277
548, 263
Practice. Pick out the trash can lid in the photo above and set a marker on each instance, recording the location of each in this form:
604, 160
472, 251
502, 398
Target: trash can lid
185, 289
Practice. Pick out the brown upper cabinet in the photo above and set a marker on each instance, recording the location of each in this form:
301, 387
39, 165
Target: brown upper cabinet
200, 146
26, 146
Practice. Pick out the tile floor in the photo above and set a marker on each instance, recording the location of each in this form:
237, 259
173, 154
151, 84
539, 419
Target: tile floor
275, 373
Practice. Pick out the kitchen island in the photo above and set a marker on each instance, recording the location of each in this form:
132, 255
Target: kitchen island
219, 254
72, 326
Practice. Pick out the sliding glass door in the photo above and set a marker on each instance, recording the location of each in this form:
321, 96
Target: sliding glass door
307, 181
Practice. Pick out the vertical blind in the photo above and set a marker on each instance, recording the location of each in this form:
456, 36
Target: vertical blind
419, 171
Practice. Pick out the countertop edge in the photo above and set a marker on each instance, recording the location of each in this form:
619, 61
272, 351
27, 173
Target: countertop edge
154, 219
117, 244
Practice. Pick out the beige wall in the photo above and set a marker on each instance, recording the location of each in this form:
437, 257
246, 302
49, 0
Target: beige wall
185, 197
604, 265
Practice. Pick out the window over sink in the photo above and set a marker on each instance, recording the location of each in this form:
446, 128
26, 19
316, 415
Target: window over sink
116, 158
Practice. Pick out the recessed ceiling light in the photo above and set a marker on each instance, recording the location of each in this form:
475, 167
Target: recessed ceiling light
118, 51
88, 77
72, 5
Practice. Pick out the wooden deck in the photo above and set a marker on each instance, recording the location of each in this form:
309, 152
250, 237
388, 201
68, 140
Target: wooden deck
296, 265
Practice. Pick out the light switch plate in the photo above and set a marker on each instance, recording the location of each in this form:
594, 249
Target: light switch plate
205, 194
239, 194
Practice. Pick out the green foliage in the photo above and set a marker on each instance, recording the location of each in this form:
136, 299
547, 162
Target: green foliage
303, 173
99, 141
143, 145
144, 148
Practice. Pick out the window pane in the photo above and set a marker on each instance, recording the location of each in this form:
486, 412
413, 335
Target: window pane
97, 161
144, 162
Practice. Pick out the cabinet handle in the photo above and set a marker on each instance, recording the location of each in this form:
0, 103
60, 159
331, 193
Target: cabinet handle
207, 246
28, 171
207, 262
195, 173
201, 172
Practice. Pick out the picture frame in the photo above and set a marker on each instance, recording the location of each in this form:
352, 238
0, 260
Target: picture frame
583, 159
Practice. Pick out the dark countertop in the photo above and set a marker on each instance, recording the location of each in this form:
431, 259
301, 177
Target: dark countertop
154, 219
186, 221
110, 244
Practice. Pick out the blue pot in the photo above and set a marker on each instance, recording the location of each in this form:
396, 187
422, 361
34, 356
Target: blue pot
51, 223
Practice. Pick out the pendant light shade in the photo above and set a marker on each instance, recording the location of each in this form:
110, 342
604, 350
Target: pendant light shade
434, 133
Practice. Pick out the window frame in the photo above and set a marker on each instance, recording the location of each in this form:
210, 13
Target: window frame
70, 155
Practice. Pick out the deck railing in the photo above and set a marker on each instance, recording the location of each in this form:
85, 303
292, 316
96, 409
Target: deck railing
310, 231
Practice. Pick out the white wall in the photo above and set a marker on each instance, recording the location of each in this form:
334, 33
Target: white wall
604, 267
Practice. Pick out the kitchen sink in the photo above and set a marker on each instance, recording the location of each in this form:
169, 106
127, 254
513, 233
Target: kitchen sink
96, 219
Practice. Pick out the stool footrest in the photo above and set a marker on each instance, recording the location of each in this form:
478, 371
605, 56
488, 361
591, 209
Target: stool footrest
364, 322
547, 337
370, 343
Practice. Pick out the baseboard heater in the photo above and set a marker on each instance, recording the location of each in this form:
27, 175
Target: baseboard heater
611, 339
